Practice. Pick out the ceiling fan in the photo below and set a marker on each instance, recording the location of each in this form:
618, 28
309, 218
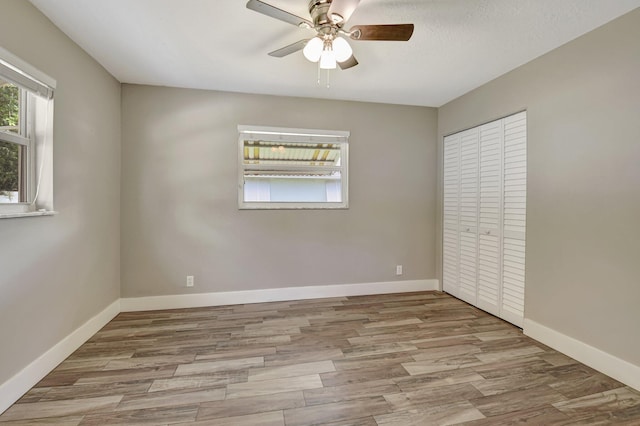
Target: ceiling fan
329, 47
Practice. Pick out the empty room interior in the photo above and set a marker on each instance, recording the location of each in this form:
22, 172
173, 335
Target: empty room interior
336, 212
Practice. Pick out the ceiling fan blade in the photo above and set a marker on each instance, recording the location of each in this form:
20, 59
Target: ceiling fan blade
274, 12
288, 50
390, 32
351, 62
341, 10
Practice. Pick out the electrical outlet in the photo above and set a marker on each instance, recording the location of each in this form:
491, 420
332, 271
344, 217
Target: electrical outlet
190, 281
398, 269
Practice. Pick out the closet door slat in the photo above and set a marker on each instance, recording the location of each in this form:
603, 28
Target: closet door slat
515, 215
469, 164
490, 216
451, 218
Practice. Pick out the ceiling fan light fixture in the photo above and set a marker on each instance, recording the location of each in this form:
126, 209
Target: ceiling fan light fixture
328, 59
313, 49
342, 49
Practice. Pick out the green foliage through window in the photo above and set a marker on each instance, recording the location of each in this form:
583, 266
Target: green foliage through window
9, 166
9, 105
9, 152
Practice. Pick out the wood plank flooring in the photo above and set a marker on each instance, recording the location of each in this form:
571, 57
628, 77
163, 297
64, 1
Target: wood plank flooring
400, 359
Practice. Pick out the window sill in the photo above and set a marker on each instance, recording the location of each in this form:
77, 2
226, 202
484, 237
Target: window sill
276, 206
27, 214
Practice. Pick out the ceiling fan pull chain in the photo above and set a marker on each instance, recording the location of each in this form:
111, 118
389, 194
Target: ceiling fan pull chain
320, 76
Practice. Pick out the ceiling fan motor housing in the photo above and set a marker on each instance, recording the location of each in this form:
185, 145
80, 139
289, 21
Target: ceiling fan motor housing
322, 22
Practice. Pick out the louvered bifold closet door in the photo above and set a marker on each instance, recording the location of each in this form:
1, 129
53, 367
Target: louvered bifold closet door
450, 237
467, 290
514, 221
490, 217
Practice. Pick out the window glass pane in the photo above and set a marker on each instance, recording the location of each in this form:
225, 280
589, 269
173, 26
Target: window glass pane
9, 107
301, 188
289, 153
10, 154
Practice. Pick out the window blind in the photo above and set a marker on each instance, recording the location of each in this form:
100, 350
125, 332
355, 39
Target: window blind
20, 73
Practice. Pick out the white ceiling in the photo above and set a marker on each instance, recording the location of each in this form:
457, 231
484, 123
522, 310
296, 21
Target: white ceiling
457, 45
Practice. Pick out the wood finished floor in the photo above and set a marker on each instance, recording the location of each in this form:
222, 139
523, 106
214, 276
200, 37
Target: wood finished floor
401, 359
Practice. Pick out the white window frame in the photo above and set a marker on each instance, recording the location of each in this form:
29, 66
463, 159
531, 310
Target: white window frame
303, 136
36, 133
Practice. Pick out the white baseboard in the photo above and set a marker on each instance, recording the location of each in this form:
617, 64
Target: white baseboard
179, 301
619, 369
19, 384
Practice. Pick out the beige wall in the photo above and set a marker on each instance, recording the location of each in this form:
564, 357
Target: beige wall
58, 272
583, 205
179, 196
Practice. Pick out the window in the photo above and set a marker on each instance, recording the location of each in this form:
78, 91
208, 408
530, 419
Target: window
292, 168
25, 125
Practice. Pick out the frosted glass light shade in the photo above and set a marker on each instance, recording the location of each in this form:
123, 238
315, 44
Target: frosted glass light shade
342, 49
313, 49
328, 59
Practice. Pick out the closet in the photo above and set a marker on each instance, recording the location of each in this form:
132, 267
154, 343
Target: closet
484, 216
